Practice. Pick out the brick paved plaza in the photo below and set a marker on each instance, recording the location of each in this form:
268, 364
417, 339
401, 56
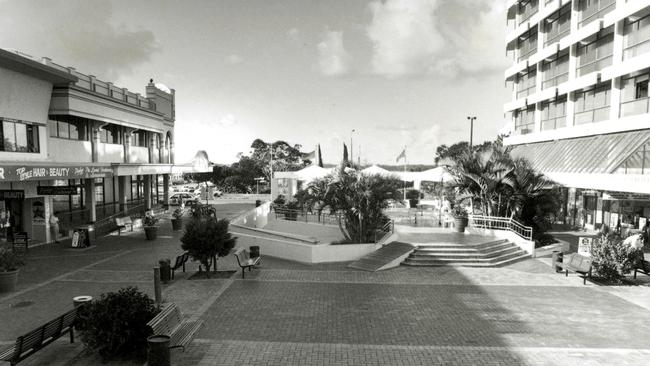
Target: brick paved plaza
287, 313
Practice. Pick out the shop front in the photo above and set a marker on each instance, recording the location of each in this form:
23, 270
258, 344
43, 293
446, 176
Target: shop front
620, 211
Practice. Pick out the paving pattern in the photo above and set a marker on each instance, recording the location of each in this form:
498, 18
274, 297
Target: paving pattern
289, 313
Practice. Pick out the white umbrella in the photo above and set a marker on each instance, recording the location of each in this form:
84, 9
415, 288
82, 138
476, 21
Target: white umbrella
439, 174
375, 169
312, 172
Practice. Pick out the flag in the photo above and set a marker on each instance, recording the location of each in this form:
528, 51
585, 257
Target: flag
402, 155
309, 156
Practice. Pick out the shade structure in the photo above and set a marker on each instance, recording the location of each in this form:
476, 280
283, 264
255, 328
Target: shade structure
312, 172
439, 174
375, 169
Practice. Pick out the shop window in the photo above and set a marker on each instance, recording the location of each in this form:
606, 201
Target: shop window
69, 127
18, 136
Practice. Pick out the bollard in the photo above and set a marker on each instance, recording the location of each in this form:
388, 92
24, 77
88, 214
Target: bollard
158, 350
157, 287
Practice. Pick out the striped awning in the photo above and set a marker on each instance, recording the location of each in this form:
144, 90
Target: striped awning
600, 154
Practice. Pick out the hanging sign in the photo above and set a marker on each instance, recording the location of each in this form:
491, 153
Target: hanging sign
27, 173
56, 190
6, 194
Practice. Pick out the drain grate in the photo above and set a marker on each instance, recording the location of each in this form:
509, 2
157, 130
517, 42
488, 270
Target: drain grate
22, 304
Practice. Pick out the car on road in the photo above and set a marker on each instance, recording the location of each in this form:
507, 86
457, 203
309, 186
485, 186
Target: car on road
217, 193
185, 197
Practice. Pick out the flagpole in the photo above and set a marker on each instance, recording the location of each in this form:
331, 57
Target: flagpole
404, 173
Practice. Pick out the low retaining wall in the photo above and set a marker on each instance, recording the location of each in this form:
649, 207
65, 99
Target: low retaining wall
247, 229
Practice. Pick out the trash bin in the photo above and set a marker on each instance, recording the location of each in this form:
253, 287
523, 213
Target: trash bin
158, 350
254, 251
78, 301
556, 258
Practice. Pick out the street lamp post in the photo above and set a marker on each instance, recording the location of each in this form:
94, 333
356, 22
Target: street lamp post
471, 129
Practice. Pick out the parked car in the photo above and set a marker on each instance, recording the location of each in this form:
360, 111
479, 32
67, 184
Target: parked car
217, 193
176, 198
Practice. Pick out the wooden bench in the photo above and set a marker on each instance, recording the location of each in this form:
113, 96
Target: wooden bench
245, 261
643, 267
21, 239
122, 223
579, 264
180, 262
170, 322
29, 343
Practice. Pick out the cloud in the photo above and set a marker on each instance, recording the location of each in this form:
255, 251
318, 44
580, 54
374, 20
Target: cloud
78, 33
442, 38
294, 34
234, 59
396, 127
227, 121
333, 59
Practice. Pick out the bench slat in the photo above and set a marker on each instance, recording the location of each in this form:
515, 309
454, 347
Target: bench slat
185, 333
7, 354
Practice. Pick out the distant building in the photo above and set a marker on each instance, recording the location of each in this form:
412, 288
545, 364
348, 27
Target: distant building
78, 146
580, 103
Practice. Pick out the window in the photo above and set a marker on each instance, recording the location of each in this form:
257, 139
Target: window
139, 138
526, 83
526, 9
636, 37
597, 54
527, 44
592, 105
110, 134
18, 136
556, 71
634, 98
557, 25
525, 120
69, 127
554, 113
591, 10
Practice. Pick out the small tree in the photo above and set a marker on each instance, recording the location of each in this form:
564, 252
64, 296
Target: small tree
613, 258
206, 238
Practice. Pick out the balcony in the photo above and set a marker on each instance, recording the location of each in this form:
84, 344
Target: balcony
69, 151
555, 80
110, 153
522, 93
634, 107
591, 116
595, 65
595, 11
139, 154
524, 129
553, 123
636, 50
525, 53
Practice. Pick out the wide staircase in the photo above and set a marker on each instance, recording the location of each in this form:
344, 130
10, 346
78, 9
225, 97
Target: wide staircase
490, 252
385, 257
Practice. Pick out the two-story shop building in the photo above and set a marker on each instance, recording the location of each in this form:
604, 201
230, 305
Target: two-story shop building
79, 147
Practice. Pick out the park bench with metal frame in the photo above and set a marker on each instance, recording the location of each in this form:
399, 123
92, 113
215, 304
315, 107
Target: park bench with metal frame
170, 322
29, 343
579, 264
643, 267
180, 262
122, 223
245, 261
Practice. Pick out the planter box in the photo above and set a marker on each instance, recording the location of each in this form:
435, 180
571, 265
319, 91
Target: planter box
177, 224
151, 232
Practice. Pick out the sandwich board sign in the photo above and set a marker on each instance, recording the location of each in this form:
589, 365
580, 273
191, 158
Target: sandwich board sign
584, 246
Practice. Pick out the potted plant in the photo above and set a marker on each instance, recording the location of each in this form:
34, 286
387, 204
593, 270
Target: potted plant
9, 267
413, 195
165, 269
460, 218
150, 228
177, 219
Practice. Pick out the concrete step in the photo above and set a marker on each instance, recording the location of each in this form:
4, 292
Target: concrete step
383, 256
464, 249
476, 246
492, 262
465, 254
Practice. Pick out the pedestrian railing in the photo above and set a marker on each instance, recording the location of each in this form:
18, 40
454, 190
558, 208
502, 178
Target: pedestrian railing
282, 213
385, 231
501, 223
107, 224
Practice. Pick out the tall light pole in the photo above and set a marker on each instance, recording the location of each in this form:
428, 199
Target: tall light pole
351, 147
471, 129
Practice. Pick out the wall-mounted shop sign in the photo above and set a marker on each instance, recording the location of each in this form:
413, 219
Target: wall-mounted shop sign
56, 190
6, 194
27, 173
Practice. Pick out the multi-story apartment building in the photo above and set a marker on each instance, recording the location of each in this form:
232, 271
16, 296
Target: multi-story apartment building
580, 108
79, 147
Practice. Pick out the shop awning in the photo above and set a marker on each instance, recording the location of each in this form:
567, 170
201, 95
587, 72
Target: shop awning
600, 154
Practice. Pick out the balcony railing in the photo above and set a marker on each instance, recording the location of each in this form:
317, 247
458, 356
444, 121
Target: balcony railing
634, 107
556, 37
599, 13
637, 49
553, 123
555, 81
524, 53
524, 129
595, 65
525, 92
591, 116
501, 223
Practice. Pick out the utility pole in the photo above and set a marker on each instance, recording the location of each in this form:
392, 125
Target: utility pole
471, 129
351, 148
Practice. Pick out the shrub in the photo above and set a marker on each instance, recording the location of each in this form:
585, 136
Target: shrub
9, 261
279, 201
205, 238
115, 326
612, 258
458, 212
149, 219
543, 239
178, 213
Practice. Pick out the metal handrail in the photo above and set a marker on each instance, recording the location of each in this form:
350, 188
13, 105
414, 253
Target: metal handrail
501, 223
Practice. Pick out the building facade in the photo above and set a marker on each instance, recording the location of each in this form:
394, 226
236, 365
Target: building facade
580, 104
78, 147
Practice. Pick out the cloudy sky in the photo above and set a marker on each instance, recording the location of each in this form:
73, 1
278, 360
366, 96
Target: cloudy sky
399, 72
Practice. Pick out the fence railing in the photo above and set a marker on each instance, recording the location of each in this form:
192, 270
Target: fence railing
282, 213
501, 223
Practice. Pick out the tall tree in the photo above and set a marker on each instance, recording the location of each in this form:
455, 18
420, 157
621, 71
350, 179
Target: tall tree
284, 156
345, 153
